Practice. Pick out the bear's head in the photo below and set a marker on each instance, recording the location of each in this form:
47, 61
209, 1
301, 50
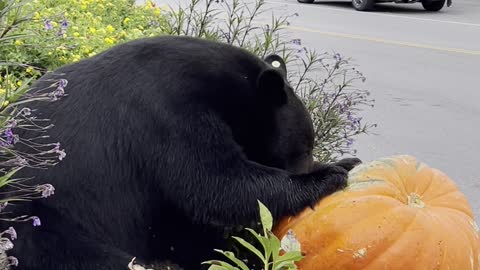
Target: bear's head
284, 126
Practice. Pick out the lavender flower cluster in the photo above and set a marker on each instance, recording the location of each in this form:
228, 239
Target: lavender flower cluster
18, 152
328, 85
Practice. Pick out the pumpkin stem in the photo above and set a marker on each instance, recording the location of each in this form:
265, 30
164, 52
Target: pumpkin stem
414, 200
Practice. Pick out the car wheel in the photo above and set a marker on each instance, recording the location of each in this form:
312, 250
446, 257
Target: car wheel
363, 5
306, 1
433, 5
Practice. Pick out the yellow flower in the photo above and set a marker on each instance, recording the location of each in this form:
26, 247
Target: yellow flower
87, 50
19, 83
126, 20
140, 27
54, 24
93, 30
83, 7
2, 91
157, 11
18, 42
109, 41
49, 53
5, 103
110, 28
29, 70
75, 57
76, 34
91, 54
36, 16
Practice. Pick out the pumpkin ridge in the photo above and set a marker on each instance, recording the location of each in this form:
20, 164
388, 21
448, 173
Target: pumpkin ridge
423, 166
366, 218
444, 225
441, 195
397, 238
469, 215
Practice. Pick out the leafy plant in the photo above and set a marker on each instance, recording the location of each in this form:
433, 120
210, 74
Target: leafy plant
15, 91
275, 254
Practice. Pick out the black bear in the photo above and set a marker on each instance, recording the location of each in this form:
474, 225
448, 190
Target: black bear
169, 140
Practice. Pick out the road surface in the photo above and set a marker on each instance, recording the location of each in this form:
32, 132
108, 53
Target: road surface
422, 68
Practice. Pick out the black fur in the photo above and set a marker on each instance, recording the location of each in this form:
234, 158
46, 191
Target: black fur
169, 140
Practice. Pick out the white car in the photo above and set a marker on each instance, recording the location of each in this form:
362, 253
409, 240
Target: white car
364, 5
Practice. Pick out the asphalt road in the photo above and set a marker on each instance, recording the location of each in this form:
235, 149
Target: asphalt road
422, 68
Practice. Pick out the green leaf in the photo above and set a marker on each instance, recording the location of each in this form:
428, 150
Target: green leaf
219, 265
250, 247
285, 265
265, 217
216, 267
287, 258
234, 259
274, 246
5, 179
263, 241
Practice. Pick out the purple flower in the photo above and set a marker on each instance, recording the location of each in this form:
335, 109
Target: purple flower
301, 52
62, 83
11, 231
48, 25
64, 23
36, 221
12, 123
60, 90
46, 189
10, 137
349, 142
5, 244
26, 111
12, 261
337, 57
61, 153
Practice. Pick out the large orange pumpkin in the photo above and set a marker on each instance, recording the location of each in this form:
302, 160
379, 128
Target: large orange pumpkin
396, 213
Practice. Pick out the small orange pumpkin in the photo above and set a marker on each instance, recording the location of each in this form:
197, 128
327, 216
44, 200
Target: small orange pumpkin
396, 213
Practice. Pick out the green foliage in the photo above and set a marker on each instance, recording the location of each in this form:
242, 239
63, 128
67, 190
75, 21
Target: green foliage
275, 254
65, 31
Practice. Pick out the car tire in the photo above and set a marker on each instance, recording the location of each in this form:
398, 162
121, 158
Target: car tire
305, 1
363, 5
433, 5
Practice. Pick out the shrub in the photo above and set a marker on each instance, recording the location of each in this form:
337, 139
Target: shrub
14, 91
65, 31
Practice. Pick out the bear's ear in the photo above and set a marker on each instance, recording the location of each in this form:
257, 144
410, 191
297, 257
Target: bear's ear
271, 86
277, 62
